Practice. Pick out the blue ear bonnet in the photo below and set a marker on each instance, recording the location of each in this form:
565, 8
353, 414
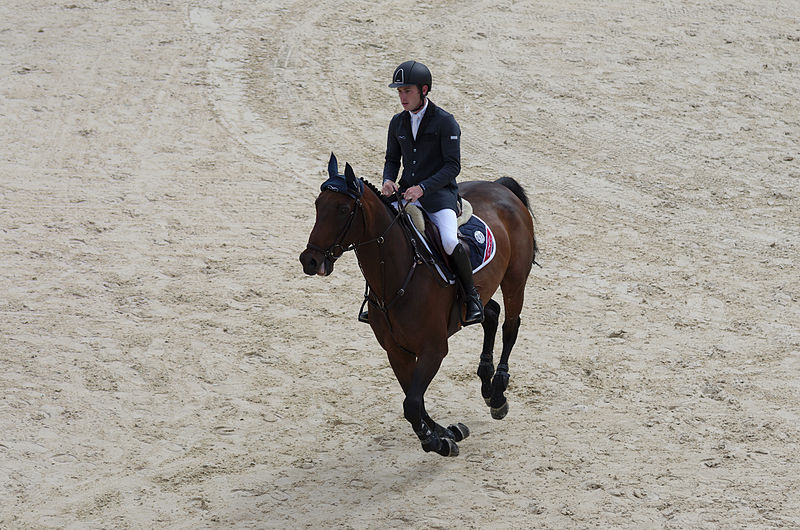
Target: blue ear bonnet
339, 184
347, 183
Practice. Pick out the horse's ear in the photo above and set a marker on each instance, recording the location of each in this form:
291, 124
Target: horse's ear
352, 182
333, 166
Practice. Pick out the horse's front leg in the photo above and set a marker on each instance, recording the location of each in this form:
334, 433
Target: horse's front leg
415, 375
427, 365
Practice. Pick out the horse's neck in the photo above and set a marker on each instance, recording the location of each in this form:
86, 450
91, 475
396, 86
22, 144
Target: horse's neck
389, 246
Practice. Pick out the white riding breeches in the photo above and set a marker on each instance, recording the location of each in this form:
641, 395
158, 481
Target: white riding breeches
447, 223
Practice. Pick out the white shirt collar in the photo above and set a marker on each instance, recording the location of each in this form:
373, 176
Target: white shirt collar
421, 112
416, 118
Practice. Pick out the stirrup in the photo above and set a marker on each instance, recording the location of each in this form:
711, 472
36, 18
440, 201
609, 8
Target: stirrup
363, 317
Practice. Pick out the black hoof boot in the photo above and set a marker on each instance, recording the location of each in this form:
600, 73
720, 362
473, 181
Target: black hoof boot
429, 440
363, 317
498, 404
432, 442
459, 431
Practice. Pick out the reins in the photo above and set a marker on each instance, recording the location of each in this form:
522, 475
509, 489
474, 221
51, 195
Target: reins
329, 252
336, 250
380, 240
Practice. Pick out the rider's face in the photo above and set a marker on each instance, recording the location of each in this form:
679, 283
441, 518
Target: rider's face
410, 97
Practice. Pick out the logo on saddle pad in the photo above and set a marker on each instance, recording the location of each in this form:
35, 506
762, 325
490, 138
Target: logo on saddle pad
479, 240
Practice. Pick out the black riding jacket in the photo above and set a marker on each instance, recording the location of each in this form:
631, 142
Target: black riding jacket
432, 161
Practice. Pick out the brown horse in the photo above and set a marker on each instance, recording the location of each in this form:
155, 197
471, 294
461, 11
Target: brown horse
411, 312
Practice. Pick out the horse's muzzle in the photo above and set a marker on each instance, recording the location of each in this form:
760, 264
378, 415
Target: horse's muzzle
314, 262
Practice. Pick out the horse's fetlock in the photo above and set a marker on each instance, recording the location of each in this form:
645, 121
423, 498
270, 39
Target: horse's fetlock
500, 381
424, 432
485, 369
430, 442
433, 444
502, 372
502, 376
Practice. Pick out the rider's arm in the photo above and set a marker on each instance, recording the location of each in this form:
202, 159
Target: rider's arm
450, 146
393, 153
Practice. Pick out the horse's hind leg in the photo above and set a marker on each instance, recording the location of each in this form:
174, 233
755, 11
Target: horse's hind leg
498, 402
486, 366
513, 297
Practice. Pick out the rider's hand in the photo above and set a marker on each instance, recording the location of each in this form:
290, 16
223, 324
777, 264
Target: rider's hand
413, 193
389, 187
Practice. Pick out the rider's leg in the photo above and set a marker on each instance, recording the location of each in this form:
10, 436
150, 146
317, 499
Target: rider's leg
447, 223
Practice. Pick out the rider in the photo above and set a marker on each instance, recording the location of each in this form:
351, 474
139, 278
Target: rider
427, 139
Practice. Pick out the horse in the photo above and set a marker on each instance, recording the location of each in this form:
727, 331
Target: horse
411, 312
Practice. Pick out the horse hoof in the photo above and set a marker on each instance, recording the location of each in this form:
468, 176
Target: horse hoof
449, 447
500, 412
488, 401
459, 431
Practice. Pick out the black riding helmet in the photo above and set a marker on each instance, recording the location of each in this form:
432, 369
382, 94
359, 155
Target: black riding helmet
411, 73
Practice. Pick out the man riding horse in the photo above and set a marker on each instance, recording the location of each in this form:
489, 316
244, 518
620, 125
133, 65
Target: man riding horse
427, 140
416, 313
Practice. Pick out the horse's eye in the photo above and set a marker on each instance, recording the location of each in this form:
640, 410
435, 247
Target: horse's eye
344, 209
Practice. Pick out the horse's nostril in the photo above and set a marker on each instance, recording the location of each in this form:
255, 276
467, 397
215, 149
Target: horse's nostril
310, 263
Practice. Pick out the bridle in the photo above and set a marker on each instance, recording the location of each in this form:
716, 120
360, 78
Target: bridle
336, 250
337, 245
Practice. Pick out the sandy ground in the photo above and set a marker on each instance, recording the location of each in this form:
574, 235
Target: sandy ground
165, 363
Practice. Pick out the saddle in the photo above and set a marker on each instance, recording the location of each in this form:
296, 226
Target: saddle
473, 233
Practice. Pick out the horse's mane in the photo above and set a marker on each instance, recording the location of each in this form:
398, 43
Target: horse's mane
385, 200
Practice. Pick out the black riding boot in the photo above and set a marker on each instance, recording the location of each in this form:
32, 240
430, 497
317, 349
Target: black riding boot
463, 269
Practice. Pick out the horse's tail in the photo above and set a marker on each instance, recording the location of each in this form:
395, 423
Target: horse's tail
517, 189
